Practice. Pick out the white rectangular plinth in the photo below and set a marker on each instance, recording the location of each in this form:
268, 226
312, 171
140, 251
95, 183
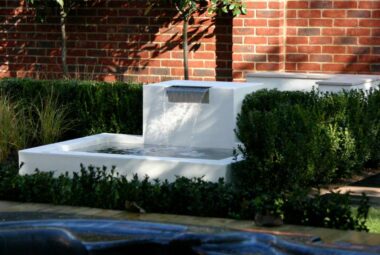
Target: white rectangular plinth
346, 82
308, 81
67, 157
287, 81
205, 125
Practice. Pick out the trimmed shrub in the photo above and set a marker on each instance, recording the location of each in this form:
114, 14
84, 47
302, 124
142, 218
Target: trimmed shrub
292, 140
280, 141
372, 128
102, 188
330, 211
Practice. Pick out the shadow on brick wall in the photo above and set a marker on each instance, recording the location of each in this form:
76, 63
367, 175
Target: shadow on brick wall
112, 40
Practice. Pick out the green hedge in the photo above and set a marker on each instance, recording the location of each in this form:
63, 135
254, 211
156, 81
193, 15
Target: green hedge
96, 106
292, 140
102, 188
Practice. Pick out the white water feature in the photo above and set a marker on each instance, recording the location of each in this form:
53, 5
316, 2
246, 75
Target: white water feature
188, 129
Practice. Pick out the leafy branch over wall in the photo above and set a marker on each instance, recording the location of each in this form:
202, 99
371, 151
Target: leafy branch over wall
186, 10
65, 6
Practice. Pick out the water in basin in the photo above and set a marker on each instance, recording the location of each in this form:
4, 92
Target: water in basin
161, 151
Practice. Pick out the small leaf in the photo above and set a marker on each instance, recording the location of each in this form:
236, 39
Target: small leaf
61, 3
236, 12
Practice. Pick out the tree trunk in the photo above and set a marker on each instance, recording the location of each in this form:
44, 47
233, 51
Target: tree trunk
63, 44
185, 48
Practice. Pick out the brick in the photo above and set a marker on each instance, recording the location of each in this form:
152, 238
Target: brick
358, 31
255, 58
297, 4
268, 14
159, 71
333, 31
309, 49
203, 72
255, 40
297, 40
375, 32
291, 49
275, 40
268, 31
358, 14
369, 58
296, 22
321, 4
345, 58
374, 4
237, 40
275, 58
242, 66
345, 40
309, 13
176, 71
97, 53
333, 49
320, 22
333, 67
320, 40
255, 22
276, 5
297, 57
369, 40
309, 31
375, 68
376, 14
256, 5
358, 68
345, 22
267, 66
243, 48
345, 4
268, 49
308, 67
369, 23
275, 23
291, 14
320, 58
358, 50
244, 31
376, 50
334, 14
290, 31
290, 67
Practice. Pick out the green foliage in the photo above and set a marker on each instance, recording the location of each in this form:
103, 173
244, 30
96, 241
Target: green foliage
94, 106
52, 120
292, 140
372, 128
187, 8
330, 211
15, 127
281, 141
104, 188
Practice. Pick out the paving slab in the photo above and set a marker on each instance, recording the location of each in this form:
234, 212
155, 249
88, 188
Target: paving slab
356, 192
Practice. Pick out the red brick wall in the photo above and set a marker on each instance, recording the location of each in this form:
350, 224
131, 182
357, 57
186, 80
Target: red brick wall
113, 40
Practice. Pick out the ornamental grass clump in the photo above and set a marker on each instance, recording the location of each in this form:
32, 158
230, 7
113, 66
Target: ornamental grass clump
15, 127
53, 120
